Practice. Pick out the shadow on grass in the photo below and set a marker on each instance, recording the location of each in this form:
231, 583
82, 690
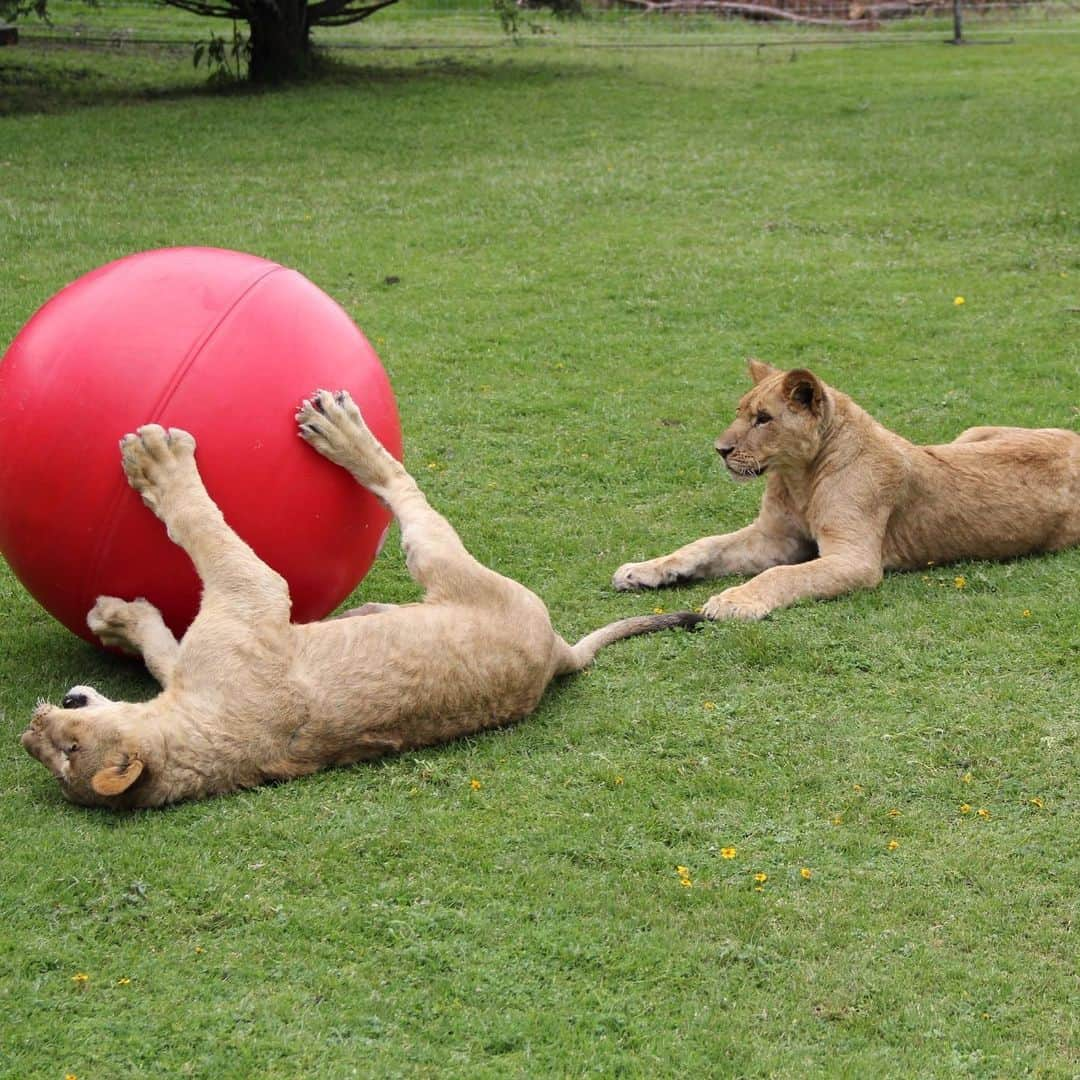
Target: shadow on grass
42, 76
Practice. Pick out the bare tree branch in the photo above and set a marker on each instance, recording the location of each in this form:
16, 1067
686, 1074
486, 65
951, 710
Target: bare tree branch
343, 12
214, 10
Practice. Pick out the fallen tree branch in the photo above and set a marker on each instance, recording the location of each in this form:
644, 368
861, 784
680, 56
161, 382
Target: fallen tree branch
736, 7
892, 9
858, 13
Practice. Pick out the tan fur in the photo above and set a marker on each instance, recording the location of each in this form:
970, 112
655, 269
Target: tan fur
846, 499
249, 697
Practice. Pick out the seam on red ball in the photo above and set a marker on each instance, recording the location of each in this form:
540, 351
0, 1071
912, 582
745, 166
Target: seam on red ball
110, 517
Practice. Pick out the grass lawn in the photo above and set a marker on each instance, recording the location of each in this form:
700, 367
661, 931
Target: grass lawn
589, 243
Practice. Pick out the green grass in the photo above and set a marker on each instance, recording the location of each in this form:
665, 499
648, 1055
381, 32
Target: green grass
589, 243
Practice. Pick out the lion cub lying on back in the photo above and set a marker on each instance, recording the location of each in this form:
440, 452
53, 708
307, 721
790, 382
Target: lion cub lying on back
846, 499
249, 697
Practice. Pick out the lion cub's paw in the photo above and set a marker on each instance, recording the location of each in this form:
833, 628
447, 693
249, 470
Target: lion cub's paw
641, 575
729, 605
116, 621
333, 425
333, 419
153, 457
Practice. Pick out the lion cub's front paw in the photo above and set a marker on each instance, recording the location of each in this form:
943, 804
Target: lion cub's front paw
641, 575
154, 459
730, 605
116, 622
333, 425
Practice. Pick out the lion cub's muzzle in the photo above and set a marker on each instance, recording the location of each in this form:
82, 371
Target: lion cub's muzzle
740, 465
35, 742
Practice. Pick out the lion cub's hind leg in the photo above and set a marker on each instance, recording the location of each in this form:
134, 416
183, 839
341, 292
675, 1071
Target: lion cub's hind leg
136, 626
434, 553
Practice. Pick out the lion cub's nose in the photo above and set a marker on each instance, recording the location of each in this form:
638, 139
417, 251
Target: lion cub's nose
723, 448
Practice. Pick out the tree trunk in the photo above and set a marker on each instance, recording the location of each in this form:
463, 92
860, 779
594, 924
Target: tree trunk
280, 40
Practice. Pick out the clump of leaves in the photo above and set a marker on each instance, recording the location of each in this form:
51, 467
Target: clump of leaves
226, 58
509, 11
10, 10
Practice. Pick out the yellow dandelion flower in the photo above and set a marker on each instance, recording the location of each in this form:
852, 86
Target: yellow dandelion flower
893, 845
199, 950
80, 977
658, 611
1036, 802
727, 852
806, 873
682, 871
966, 778
761, 877
686, 883
983, 812
959, 581
125, 981
70, 1076
857, 788
965, 808
618, 780
838, 820
959, 301
894, 812
1026, 613
759, 888
708, 704
475, 785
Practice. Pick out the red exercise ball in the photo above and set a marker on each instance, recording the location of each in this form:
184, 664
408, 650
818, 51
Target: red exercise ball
225, 345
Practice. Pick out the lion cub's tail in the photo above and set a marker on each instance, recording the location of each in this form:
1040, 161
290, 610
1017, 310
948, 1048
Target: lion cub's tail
580, 655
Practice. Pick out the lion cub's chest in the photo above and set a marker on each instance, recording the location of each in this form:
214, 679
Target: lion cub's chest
790, 502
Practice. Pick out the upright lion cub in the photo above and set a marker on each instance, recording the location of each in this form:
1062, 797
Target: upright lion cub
846, 499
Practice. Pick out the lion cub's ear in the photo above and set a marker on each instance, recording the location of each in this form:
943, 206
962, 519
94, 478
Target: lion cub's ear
803, 390
114, 779
760, 370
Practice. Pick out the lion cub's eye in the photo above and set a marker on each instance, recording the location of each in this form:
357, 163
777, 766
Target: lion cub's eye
761, 418
72, 748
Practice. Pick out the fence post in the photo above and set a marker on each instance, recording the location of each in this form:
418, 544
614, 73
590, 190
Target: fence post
958, 24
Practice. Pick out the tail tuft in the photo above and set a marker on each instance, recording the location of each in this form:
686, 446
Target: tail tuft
684, 620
